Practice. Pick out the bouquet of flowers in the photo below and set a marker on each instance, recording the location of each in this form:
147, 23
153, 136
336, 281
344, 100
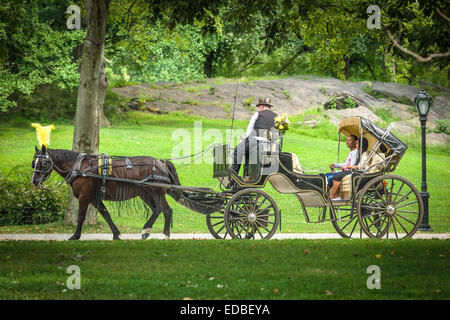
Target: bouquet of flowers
282, 123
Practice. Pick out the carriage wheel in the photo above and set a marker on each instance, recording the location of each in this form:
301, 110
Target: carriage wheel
251, 214
216, 225
390, 206
346, 223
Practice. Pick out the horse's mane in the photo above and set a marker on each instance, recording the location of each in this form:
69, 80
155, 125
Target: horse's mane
62, 155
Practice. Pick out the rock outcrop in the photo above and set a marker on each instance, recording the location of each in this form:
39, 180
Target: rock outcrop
217, 98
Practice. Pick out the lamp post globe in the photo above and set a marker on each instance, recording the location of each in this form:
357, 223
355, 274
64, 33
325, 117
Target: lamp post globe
423, 104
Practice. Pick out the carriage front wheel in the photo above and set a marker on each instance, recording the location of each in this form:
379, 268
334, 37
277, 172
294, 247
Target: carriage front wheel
251, 214
390, 206
216, 225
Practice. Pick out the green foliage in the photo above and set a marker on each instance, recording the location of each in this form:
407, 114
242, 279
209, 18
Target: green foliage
34, 52
350, 104
22, 203
248, 103
47, 103
164, 55
386, 115
332, 103
442, 126
287, 94
177, 42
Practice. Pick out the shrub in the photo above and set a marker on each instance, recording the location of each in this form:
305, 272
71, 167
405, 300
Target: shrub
386, 114
350, 104
22, 203
442, 126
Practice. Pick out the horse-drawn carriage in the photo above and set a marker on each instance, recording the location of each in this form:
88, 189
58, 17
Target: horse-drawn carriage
373, 201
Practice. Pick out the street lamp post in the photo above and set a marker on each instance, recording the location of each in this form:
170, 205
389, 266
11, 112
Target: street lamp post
423, 103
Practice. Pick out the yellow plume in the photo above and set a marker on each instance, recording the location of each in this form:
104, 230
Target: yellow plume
43, 133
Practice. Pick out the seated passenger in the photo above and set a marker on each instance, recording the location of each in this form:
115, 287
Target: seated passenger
349, 161
374, 164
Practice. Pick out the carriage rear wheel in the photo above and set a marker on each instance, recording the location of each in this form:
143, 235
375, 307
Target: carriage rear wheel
251, 214
390, 206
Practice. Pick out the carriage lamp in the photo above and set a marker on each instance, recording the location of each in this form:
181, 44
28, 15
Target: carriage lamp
423, 104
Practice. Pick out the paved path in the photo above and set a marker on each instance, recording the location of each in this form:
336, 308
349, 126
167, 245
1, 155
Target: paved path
195, 236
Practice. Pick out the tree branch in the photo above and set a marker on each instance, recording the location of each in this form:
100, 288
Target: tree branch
442, 15
415, 55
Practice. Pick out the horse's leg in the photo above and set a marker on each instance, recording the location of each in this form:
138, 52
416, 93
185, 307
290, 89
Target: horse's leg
105, 214
82, 208
167, 211
147, 228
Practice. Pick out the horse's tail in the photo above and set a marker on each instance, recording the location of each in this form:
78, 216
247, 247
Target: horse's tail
173, 175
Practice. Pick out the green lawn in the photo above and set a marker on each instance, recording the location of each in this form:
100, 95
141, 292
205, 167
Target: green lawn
177, 269
158, 135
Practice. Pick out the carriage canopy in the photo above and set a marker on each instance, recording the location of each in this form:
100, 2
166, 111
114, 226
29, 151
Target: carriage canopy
361, 126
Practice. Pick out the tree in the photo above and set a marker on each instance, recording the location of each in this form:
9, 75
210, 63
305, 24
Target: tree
87, 116
35, 49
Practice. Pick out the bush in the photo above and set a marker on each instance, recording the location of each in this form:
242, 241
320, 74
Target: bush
442, 126
21, 203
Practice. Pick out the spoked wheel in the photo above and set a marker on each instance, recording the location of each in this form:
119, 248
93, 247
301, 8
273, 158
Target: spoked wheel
346, 223
390, 206
216, 225
251, 214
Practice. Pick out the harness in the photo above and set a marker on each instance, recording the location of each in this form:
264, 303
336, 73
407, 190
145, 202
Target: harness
103, 172
104, 169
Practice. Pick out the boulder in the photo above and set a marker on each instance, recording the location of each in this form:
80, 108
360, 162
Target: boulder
398, 92
434, 138
404, 128
336, 115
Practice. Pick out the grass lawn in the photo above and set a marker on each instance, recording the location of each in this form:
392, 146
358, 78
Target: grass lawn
160, 135
177, 269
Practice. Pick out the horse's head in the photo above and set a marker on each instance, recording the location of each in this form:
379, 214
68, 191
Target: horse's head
42, 165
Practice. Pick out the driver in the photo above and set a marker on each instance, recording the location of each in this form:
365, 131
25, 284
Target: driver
263, 119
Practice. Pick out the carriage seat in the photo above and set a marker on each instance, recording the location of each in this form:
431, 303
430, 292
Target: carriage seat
291, 162
345, 189
296, 166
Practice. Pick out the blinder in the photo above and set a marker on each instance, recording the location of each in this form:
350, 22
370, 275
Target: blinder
46, 167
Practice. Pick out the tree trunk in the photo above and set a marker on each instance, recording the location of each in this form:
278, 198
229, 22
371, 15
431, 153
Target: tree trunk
102, 88
346, 69
207, 65
87, 117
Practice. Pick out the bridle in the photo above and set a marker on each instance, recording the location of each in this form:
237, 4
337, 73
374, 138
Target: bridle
45, 170
47, 167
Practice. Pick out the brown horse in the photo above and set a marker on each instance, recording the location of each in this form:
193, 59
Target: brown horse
78, 169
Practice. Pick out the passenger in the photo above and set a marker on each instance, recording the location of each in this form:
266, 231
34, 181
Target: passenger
351, 160
374, 164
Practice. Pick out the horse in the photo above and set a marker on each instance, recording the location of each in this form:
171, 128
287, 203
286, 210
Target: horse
80, 171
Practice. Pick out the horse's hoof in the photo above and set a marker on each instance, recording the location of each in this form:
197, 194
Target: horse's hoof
145, 236
74, 237
116, 237
166, 237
